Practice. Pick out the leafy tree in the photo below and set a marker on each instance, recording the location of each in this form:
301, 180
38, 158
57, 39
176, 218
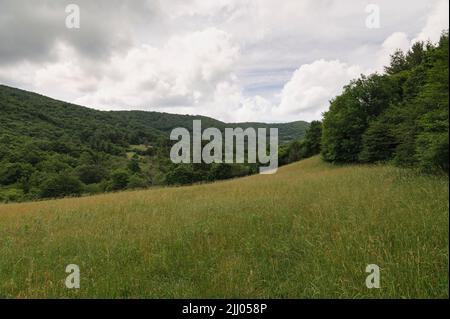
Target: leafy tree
312, 142
220, 171
136, 181
296, 151
133, 165
416, 55
343, 127
432, 151
11, 173
11, 195
119, 179
54, 163
398, 64
379, 142
181, 174
60, 185
350, 114
91, 174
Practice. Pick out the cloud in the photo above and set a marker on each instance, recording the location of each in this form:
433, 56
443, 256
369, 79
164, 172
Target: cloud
236, 60
256, 108
31, 31
186, 72
312, 87
306, 95
437, 21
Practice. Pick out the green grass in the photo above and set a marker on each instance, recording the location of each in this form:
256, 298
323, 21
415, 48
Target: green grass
308, 231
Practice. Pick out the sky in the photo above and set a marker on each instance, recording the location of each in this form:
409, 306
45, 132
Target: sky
234, 60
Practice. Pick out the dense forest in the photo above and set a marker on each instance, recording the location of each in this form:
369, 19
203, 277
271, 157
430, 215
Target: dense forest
51, 149
398, 117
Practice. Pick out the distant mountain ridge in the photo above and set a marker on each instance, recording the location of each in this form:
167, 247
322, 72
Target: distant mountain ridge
165, 122
17, 104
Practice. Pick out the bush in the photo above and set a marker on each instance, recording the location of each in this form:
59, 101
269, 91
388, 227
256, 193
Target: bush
312, 141
296, 151
11, 195
60, 185
181, 174
220, 171
91, 174
119, 179
136, 181
11, 173
133, 165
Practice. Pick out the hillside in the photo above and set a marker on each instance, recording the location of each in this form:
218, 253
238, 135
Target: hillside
51, 149
308, 231
35, 111
165, 122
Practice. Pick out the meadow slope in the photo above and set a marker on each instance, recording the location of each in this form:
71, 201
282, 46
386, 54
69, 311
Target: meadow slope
308, 231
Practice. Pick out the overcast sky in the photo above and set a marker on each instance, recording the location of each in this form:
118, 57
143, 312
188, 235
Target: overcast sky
235, 60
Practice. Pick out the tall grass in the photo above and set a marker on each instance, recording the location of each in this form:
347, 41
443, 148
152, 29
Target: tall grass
308, 231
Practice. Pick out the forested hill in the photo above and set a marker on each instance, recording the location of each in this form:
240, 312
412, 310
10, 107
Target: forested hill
50, 148
27, 115
165, 122
400, 116
48, 117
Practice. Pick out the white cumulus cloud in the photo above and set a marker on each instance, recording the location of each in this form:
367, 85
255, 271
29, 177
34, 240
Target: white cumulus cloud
185, 72
437, 21
312, 87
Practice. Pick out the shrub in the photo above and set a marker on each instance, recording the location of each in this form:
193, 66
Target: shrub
119, 179
136, 181
91, 174
181, 174
11, 173
60, 185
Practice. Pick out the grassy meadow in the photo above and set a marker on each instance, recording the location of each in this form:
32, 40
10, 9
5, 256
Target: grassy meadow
308, 231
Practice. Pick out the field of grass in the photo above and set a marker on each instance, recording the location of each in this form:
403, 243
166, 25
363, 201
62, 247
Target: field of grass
308, 231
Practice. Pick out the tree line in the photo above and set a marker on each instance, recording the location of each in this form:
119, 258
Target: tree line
399, 116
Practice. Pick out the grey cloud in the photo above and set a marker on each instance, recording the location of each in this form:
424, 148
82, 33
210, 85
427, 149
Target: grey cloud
120, 57
29, 29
